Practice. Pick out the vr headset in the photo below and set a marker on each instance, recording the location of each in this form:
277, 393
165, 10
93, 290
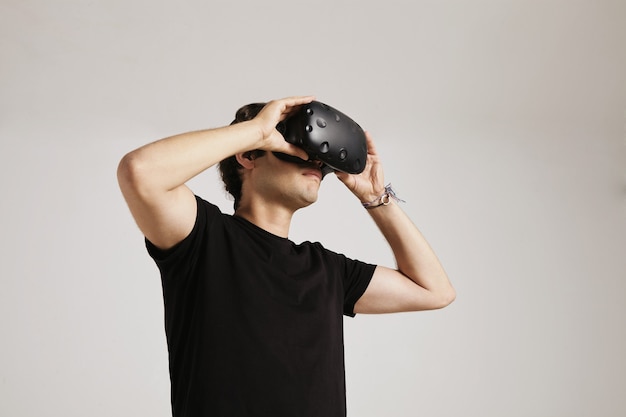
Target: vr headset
327, 135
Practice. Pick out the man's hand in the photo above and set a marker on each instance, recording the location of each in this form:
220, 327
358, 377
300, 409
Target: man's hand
369, 184
419, 282
274, 112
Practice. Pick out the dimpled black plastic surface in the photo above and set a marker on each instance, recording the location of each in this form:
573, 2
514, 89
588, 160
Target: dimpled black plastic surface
329, 135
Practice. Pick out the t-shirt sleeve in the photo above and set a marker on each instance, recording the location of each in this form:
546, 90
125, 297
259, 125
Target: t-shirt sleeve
357, 277
183, 255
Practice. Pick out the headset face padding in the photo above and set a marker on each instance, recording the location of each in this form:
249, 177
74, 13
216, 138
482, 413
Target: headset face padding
328, 135
299, 161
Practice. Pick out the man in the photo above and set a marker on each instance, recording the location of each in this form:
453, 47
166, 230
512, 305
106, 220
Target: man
254, 321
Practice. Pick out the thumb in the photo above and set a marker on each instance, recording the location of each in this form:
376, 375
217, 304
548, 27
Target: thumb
293, 150
349, 180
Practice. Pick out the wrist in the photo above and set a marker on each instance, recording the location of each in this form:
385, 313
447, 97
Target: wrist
258, 132
382, 199
249, 134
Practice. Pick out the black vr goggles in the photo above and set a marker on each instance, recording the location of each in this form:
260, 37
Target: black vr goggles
327, 135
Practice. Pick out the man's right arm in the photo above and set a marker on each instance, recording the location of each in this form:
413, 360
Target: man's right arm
152, 178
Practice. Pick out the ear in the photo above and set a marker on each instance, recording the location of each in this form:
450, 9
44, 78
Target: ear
245, 159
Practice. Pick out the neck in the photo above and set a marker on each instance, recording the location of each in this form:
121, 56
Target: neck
275, 220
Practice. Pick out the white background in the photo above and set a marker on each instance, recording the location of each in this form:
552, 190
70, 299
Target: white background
501, 123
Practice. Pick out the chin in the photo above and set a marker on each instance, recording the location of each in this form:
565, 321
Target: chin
307, 200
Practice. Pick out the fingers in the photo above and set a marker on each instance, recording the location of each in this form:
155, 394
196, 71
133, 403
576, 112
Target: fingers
342, 176
291, 104
295, 151
276, 111
298, 100
285, 104
371, 148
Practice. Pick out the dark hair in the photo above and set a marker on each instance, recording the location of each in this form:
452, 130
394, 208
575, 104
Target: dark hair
230, 169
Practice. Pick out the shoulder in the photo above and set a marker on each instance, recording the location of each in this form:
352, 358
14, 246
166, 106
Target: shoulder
206, 214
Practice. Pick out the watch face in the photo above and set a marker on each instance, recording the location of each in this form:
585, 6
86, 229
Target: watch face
328, 135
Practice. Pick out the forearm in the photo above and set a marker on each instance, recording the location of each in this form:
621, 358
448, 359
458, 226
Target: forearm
168, 163
414, 256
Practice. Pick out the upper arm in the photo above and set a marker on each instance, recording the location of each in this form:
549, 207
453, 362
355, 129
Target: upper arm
165, 217
390, 291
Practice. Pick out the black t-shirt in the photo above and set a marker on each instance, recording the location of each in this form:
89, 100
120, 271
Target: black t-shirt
254, 322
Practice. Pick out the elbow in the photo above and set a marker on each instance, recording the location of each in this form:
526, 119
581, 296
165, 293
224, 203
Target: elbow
449, 297
131, 173
127, 170
445, 298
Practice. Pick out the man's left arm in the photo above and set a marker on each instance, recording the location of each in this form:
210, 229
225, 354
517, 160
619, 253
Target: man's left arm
420, 281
